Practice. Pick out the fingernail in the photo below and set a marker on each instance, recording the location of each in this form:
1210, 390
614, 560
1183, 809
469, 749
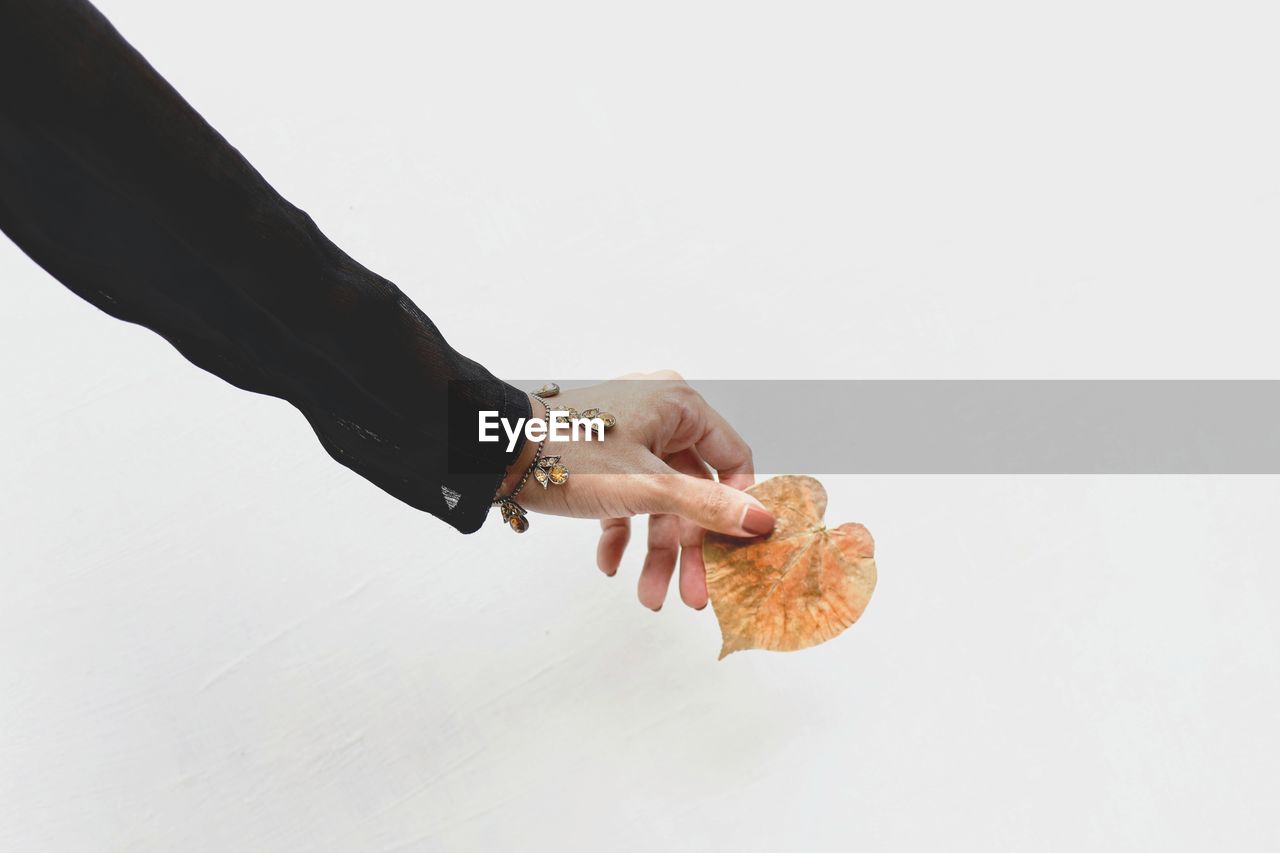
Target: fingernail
757, 521
703, 607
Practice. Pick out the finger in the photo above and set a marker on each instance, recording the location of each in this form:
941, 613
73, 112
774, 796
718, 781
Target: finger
714, 506
660, 562
615, 533
726, 451
693, 572
718, 443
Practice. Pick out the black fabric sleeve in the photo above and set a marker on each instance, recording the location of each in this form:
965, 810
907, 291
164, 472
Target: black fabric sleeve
112, 183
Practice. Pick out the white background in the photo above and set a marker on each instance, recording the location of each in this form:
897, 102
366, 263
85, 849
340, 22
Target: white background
213, 638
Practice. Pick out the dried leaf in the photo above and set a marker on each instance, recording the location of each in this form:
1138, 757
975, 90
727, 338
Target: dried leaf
798, 587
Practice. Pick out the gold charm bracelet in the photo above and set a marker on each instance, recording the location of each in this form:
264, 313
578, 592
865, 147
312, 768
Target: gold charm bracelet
547, 470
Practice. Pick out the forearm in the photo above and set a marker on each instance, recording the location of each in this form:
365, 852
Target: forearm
123, 192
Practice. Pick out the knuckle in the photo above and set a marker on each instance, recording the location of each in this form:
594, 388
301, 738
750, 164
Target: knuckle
684, 390
682, 398
662, 550
647, 494
690, 536
714, 504
674, 404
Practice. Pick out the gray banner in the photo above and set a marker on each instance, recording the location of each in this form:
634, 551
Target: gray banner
1002, 427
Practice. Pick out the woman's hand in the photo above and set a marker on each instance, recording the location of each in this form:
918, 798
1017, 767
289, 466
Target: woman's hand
657, 460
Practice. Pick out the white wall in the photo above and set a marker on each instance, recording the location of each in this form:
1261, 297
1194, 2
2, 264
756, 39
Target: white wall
213, 638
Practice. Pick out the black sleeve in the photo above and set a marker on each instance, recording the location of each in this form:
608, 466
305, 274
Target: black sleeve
112, 183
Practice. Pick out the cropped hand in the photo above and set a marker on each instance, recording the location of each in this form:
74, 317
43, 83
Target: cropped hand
658, 461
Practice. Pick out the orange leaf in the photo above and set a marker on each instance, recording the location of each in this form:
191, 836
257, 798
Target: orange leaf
798, 587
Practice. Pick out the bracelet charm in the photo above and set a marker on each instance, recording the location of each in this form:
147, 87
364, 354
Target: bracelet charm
549, 470
514, 514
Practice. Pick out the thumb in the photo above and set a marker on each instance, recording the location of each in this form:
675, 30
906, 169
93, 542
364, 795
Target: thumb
713, 505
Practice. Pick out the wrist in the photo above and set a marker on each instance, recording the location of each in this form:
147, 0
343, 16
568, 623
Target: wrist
528, 450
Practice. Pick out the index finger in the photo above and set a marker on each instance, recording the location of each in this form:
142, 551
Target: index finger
723, 449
